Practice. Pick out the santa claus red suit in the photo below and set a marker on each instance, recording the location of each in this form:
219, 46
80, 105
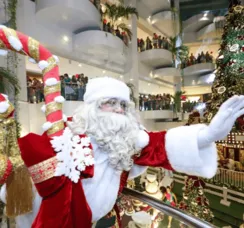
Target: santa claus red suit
79, 168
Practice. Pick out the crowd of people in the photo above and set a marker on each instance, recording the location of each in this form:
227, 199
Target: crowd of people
107, 27
156, 42
35, 90
201, 58
155, 102
73, 88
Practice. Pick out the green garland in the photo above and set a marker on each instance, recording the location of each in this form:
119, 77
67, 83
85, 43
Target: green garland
11, 10
12, 60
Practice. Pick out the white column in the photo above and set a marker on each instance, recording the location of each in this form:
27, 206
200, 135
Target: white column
133, 75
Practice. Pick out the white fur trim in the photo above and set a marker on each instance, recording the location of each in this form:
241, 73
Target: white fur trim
51, 81
43, 64
43, 108
142, 139
26, 220
2, 26
59, 99
4, 105
6, 96
65, 118
56, 58
47, 126
106, 87
32, 60
3, 52
136, 171
3, 193
15, 43
185, 156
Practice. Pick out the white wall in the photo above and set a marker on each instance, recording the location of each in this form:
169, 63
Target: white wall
197, 90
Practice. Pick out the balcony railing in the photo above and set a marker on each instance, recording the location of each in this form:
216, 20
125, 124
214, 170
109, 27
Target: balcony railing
227, 184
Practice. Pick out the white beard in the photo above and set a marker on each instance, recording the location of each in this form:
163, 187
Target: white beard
114, 133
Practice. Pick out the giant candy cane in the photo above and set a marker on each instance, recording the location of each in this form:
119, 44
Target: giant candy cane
48, 63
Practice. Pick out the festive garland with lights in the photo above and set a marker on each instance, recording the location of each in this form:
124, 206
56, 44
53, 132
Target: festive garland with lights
10, 8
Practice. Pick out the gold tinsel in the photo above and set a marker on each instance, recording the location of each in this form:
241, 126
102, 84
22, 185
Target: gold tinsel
19, 195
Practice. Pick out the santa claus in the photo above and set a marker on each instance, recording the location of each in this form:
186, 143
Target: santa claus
79, 174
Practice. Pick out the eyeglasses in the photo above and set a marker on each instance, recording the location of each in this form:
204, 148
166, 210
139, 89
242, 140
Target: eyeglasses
114, 103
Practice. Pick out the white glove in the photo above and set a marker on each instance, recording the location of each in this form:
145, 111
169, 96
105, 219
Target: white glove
222, 122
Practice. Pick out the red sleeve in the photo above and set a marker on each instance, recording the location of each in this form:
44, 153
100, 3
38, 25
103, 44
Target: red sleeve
154, 154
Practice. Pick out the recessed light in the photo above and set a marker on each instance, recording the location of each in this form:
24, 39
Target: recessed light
65, 17
104, 71
121, 76
149, 84
131, 79
66, 38
80, 65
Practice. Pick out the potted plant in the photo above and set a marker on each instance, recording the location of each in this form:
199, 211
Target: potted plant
177, 102
115, 12
8, 82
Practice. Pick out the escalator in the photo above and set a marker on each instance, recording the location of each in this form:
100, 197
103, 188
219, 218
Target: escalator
162, 215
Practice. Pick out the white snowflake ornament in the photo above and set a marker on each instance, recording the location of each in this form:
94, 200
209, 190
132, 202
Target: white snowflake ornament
73, 154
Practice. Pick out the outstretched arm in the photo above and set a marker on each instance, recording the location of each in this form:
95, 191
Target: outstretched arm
192, 149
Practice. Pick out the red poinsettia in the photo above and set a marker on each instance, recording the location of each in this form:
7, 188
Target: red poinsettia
183, 97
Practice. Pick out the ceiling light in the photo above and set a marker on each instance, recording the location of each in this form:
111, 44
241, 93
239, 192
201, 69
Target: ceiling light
104, 71
79, 65
121, 76
64, 17
149, 84
131, 79
66, 38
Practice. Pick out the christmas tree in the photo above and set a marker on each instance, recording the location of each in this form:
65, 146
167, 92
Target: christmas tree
229, 78
194, 201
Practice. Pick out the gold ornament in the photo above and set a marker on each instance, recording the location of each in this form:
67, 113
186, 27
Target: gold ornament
234, 47
221, 90
238, 9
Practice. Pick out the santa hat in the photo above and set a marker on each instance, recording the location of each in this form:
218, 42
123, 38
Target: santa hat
142, 218
4, 104
106, 87
6, 108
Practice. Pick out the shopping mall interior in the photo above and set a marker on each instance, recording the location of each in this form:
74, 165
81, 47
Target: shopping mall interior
181, 59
